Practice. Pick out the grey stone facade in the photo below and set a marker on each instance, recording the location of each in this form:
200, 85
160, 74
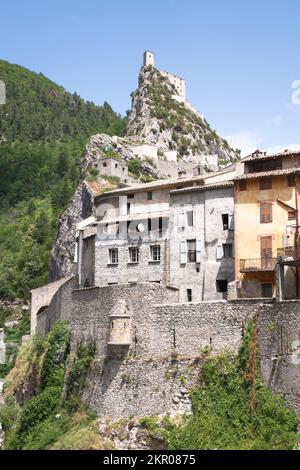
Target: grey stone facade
112, 167
210, 225
147, 221
145, 270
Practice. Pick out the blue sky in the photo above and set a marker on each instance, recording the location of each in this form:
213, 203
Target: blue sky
239, 57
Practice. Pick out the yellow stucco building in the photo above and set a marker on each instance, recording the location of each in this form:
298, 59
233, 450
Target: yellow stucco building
266, 224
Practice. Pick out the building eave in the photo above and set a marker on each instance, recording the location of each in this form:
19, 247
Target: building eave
272, 156
155, 185
206, 187
265, 174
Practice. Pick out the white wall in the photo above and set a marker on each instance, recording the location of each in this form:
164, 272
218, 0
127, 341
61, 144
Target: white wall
145, 150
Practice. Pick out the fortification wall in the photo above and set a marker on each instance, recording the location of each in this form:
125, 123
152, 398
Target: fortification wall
279, 344
167, 343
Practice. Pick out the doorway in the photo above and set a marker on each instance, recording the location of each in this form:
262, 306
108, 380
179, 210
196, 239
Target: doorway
266, 252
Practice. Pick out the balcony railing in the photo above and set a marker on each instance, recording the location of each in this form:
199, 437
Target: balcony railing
257, 264
289, 253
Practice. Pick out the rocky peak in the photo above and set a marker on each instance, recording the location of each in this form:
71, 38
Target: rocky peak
160, 116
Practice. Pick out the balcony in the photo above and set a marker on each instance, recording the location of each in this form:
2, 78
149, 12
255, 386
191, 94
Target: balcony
257, 265
289, 254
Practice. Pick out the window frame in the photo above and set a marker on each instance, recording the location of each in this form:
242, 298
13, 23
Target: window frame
265, 183
191, 254
190, 218
131, 250
225, 225
155, 252
262, 212
229, 247
111, 253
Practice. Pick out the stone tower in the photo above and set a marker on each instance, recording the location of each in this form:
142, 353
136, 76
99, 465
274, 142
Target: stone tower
149, 59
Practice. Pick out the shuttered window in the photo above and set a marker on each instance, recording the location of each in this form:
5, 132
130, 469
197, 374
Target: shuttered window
243, 185
191, 251
198, 250
291, 180
266, 213
133, 255
190, 218
183, 256
265, 183
220, 252
181, 220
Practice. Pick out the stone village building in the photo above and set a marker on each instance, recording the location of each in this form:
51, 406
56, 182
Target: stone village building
110, 166
267, 225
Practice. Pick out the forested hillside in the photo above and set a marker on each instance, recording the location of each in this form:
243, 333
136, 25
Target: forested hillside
43, 132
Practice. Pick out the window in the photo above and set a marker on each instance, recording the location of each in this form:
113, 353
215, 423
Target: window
155, 252
133, 255
266, 213
267, 290
189, 295
123, 169
160, 227
291, 215
227, 250
149, 196
116, 165
243, 185
291, 180
265, 183
222, 285
225, 220
191, 251
190, 218
104, 164
113, 256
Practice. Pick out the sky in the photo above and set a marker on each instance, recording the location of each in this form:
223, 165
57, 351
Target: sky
240, 57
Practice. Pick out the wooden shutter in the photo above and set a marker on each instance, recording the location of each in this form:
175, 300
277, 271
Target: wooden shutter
198, 251
265, 212
183, 252
231, 221
181, 220
265, 183
220, 252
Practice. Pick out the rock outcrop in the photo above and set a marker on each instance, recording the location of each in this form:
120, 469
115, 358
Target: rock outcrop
80, 208
158, 118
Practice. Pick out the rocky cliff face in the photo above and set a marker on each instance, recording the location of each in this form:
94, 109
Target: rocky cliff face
158, 118
81, 207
